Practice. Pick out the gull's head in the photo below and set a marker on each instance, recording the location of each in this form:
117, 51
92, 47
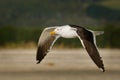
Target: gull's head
57, 31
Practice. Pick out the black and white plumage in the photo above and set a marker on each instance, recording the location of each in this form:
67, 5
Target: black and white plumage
87, 38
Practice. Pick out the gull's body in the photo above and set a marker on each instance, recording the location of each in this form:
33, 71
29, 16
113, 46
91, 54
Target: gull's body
67, 32
87, 38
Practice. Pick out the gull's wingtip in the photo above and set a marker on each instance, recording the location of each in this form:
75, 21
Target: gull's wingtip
38, 62
102, 69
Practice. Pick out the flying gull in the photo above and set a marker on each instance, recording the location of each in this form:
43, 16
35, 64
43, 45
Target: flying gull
87, 38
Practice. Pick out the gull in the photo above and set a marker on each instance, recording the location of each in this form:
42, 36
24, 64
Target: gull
87, 37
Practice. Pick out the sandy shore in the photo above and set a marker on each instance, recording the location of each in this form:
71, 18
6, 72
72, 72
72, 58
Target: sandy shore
73, 64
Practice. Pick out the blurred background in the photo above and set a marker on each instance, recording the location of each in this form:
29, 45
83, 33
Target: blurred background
22, 21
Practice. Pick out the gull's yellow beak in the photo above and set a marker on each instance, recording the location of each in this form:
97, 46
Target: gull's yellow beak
52, 33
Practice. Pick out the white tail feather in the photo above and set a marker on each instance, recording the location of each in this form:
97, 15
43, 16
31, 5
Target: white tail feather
98, 32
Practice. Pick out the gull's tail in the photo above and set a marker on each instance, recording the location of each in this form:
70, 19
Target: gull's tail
97, 33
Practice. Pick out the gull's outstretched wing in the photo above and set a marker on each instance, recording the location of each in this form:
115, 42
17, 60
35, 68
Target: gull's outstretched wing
45, 43
88, 41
